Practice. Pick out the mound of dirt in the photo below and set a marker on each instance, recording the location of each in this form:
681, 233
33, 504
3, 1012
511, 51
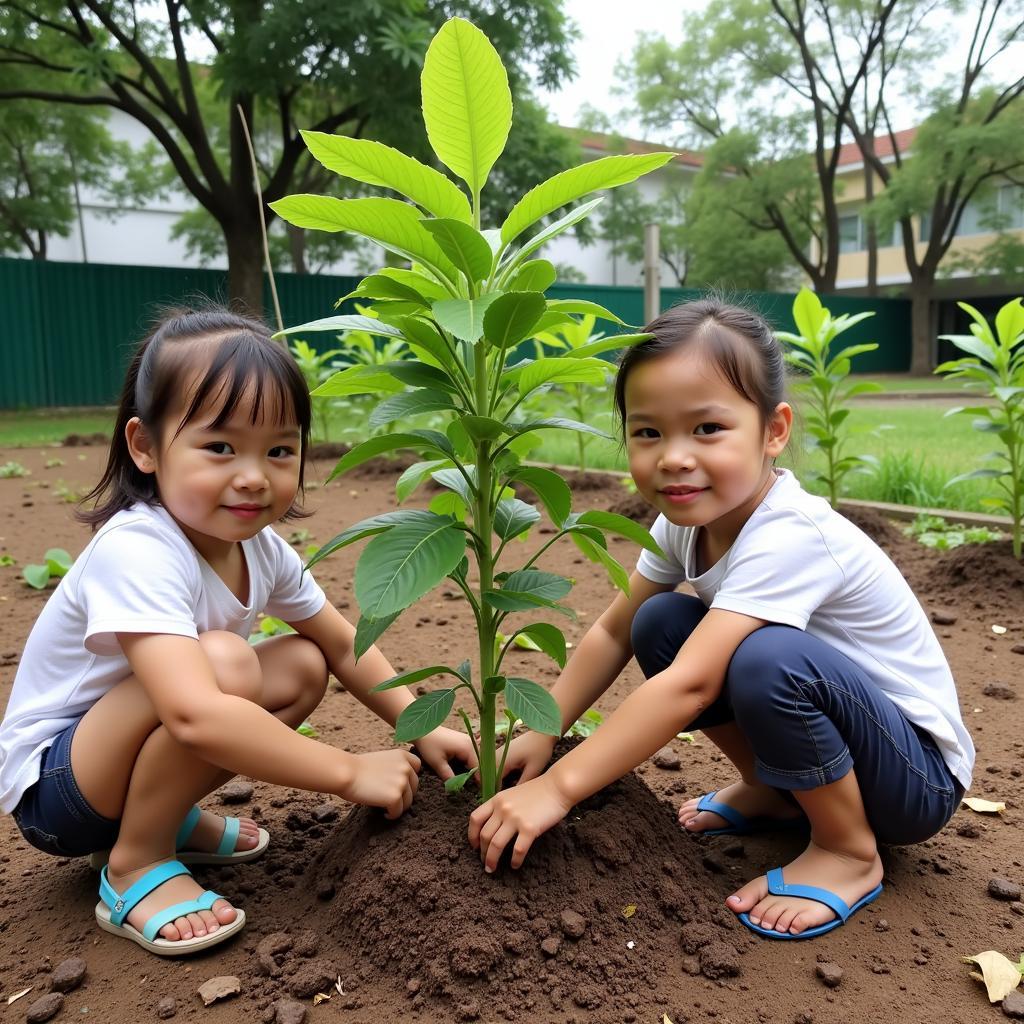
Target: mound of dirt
634, 507
986, 574
372, 469
85, 440
411, 899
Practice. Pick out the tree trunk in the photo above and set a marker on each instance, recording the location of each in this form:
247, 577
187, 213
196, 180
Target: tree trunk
245, 268
872, 239
297, 248
922, 358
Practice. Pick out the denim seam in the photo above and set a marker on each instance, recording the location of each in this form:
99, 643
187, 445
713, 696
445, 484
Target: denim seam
866, 711
821, 770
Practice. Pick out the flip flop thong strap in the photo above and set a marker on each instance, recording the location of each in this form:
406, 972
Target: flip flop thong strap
121, 904
708, 803
230, 837
777, 886
188, 826
158, 920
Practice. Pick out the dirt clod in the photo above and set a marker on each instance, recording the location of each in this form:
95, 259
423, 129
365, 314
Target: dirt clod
312, 977
1003, 889
288, 1011
325, 812
68, 975
1013, 1005
271, 953
968, 830
45, 1008
235, 792
551, 945
719, 960
668, 760
573, 924
999, 691
166, 1008
221, 987
830, 974
944, 618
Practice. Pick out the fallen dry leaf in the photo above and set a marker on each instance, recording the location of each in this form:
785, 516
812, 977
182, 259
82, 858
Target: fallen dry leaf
18, 995
665, 1019
219, 988
999, 974
984, 806
629, 911
320, 997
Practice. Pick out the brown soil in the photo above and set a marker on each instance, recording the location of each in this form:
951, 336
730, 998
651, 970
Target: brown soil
402, 912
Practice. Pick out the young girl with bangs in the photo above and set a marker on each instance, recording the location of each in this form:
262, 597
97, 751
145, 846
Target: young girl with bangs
138, 693
802, 654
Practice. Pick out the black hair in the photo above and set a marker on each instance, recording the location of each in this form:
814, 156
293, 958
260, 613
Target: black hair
738, 341
232, 355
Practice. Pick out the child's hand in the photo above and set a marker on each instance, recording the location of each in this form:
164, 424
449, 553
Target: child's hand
530, 753
526, 811
385, 778
442, 745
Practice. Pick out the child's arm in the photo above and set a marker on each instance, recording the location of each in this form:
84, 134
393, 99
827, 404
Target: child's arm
642, 724
242, 737
335, 636
602, 654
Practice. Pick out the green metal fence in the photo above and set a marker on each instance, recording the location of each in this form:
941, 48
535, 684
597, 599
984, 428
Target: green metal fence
71, 327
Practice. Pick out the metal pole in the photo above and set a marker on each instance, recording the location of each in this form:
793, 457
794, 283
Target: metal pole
652, 273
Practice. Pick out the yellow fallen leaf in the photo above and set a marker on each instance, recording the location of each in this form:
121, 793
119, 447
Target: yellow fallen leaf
999, 974
665, 1019
18, 995
320, 997
984, 806
629, 911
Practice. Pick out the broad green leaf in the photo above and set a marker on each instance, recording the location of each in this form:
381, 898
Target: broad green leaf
541, 584
36, 576
513, 517
414, 476
597, 553
573, 184
357, 380
560, 370
464, 317
533, 276
463, 245
369, 631
342, 324
534, 706
417, 280
548, 638
377, 164
609, 344
557, 423
1010, 323
614, 523
552, 490
467, 105
512, 317
395, 225
448, 504
809, 314
414, 676
378, 286
409, 403
425, 340
544, 236
582, 307
424, 715
515, 601
367, 528
418, 375
482, 428
400, 567
968, 343
455, 481
58, 559
415, 439
852, 350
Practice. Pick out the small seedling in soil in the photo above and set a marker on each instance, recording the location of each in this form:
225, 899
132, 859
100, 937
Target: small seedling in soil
297, 537
12, 469
67, 493
823, 382
455, 321
56, 564
995, 363
53, 463
268, 627
306, 729
586, 724
5, 561
936, 532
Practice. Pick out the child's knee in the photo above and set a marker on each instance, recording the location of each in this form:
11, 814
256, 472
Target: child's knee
312, 668
235, 664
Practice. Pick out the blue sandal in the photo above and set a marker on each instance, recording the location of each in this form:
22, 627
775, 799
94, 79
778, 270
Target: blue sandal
113, 908
778, 887
740, 824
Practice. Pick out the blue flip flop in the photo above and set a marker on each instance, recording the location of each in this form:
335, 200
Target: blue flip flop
114, 907
740, 824
778, 887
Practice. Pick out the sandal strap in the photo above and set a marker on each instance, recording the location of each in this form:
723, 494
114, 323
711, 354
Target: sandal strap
229, 838
122, 904
183, 909
777, 886
188, 826
737, 820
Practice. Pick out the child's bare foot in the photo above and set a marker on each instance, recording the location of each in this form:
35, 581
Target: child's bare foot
847, 876
174, 890
206, 836
752, 801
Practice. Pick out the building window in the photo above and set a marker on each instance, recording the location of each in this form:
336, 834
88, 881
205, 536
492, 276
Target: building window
850, 233
1002, 210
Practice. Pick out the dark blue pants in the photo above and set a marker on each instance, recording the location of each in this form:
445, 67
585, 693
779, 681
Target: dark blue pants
810, 715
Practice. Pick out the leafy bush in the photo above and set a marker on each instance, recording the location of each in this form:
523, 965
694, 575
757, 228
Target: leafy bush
995, 363
470, 297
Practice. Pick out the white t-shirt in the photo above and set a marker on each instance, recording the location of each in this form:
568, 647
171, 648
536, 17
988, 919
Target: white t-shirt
139, 574
799, 563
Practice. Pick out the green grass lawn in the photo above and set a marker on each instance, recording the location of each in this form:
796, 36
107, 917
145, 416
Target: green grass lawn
51, 426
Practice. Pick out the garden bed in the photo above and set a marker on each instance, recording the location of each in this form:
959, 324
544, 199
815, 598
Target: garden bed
404, 916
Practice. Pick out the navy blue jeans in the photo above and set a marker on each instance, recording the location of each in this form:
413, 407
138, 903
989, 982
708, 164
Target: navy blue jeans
810, 715
54, 816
